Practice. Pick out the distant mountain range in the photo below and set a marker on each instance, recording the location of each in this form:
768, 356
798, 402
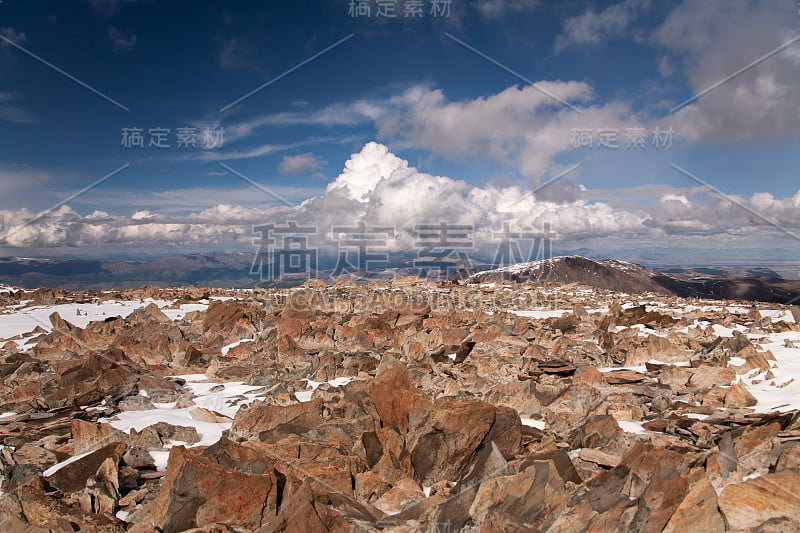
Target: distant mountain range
232, 269
219, 269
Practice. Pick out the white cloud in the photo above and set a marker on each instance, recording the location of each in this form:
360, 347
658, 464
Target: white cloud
229, 190
681, 199
364, 170
739, 216
592, 27
18, 182
665, 67
519, 126
260, 150
299, 164
714, 39
359, 111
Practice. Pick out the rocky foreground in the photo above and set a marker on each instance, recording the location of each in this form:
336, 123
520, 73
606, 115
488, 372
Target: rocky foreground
404, 406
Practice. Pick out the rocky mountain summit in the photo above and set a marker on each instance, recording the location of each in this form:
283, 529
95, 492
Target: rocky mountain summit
397, 406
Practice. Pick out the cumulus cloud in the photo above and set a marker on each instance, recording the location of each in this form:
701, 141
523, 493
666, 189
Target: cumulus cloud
377, 188
523, 127
677, 214
592, 27
712, 40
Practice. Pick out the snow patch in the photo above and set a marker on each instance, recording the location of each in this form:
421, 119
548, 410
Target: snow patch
534, 423
631, 427
540, 313
782, 392
305, 396
229, 347
55, 468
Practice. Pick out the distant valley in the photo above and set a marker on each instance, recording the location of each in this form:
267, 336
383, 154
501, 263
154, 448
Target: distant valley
232, 270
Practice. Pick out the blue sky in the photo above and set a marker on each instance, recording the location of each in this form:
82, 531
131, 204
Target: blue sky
434, 91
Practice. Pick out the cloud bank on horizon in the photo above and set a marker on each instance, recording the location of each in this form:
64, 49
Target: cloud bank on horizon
379, 189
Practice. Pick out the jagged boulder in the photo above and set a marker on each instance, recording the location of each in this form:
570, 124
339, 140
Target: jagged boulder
756, 502
445, 444
227, 483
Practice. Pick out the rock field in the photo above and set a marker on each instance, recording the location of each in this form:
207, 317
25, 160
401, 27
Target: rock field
399, 406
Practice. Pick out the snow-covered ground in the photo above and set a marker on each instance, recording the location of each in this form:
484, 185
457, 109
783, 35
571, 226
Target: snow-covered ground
225, 401
778, 392
781, 392
540, 313
16, 322
222, 398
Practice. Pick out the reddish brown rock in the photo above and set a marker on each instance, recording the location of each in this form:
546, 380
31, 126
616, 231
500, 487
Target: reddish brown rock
534, 497
35, 455
601, 458
715, 397
161, 434
662, 496
369, 486
227, 483
674, 376
404, 494
308, 509
72, 476
88, 436
506, 431
300, 458
393, 394
739, 396
699, 509
384, 451
588, 375
568, 411
707, 376
454, 431
274, 422
752, 503
90, 379
41, 510
597, 432
789, 456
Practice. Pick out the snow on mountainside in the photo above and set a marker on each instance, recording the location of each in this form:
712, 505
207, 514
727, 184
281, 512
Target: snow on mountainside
631, 278
611, 274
